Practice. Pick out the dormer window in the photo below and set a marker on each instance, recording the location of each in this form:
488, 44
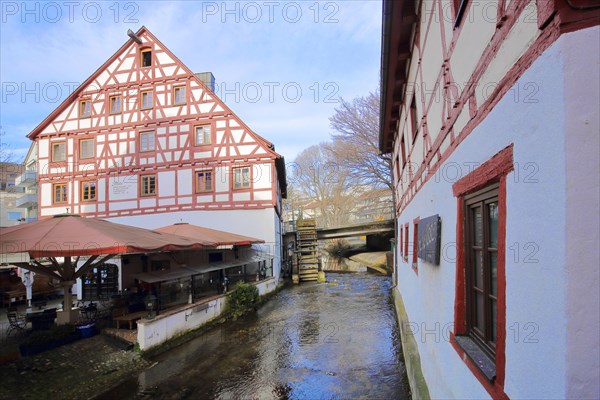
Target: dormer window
179, 95
146, 58
85, 108
115, 104
147, 99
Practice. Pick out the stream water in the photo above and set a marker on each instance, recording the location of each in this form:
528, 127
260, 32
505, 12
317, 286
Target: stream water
335, 340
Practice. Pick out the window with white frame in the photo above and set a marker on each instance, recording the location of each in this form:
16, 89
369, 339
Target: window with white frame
86, 148
59, 151
241, 178
147, 141
202, 134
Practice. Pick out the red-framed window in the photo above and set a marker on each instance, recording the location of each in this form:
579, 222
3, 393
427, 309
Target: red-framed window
401, 242
479, 335
415, 249
406, 242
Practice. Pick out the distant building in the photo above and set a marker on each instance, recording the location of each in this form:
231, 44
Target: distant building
490, 111
144, 141
27, 180
10, 214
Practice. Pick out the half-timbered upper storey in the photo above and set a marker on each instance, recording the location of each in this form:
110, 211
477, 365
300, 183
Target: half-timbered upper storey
447, 63
144, 134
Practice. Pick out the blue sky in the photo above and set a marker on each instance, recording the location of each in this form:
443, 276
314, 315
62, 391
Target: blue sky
281, 66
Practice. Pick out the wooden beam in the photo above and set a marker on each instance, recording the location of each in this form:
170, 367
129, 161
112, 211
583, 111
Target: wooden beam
42, 270
86, 267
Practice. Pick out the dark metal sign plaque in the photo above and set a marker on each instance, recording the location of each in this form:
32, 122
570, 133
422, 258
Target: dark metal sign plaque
429, 238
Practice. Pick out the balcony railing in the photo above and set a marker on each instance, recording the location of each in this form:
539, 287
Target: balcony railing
26, 179
27, 201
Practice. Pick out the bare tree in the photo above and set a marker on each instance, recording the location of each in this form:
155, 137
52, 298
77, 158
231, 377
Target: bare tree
6, 154
327, 185
356, 143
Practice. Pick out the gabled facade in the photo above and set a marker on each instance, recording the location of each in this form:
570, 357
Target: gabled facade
490, 111
143, 141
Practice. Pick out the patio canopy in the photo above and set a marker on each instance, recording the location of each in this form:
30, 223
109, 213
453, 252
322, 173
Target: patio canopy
199, 233
69, 235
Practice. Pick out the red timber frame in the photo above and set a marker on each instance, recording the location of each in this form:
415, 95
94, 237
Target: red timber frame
494, 170
407, 41
117, 144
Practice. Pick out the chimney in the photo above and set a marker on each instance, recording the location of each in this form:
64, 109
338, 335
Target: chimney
208, 78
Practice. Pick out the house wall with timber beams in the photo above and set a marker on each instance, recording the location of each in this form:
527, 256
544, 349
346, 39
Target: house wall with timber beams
483, 106
145, 142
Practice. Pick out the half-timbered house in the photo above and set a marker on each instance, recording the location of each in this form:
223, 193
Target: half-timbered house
145, 141
490, 111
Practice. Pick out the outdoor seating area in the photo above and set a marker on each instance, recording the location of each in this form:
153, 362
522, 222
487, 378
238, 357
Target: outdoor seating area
12, 290
135, 278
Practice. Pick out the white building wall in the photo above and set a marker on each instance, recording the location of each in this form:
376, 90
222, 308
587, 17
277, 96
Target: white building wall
583, 232
156, 331
261, 224
536, 322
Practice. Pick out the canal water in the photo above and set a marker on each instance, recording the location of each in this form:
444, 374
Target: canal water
335, 340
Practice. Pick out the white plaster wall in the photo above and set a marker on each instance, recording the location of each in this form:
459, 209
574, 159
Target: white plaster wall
151, 333
535, 273
262, 175
154, 332
166, 183
582, 86
222, 179
262, 224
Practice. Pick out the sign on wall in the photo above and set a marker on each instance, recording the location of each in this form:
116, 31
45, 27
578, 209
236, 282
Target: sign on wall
122, 187
429, 238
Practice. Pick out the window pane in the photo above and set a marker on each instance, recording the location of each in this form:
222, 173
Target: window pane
478, 269
479, 312
494, 272
90, 190
58, 152
239, 177
180, 95
246, 177
115, 104
146, 58
60, 193
493, 224
208, 178
201, 135
151, 185
147, 141
147, 99
478, 228
85, 109
87, 149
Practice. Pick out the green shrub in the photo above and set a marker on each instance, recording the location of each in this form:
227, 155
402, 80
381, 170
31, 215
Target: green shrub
243, 298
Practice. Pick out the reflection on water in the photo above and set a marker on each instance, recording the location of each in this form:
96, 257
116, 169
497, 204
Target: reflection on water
313, 341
